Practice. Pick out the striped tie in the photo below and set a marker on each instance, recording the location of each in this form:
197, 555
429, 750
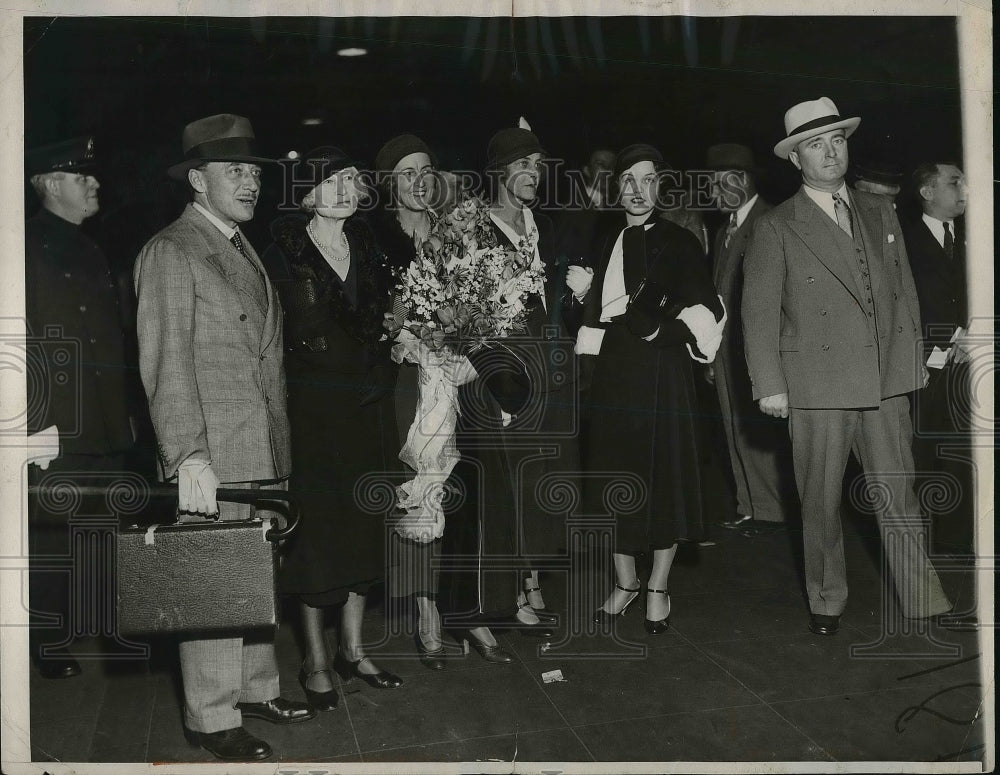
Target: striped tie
843, 215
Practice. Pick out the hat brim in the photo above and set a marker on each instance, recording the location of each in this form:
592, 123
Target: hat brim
782, 149
179, 171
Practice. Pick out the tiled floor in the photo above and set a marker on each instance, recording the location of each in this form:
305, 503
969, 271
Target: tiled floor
738, 678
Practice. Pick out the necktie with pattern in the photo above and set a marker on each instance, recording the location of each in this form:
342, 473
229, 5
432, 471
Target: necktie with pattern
843, 214
237, 241
949, 242
731, 228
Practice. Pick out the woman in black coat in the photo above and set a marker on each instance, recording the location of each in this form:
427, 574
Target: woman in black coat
541, 437
408, 185
642, 400
335, 289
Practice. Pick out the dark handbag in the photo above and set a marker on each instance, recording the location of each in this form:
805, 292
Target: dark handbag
306, 313
209, 577
653, 300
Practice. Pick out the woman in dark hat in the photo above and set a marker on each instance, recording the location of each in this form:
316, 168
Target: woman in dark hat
528, 431
652, 309
335, 289
408, 188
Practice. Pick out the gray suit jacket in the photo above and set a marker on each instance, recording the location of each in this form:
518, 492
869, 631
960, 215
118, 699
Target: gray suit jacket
210, 353
805, 321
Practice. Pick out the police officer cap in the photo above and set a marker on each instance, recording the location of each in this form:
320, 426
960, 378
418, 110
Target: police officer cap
76, 155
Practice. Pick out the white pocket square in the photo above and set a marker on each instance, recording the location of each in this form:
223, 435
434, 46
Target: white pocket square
892, 238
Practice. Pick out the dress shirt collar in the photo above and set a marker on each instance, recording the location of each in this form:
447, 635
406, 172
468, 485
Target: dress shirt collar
825, 199
937, 228
227, 231
745, 208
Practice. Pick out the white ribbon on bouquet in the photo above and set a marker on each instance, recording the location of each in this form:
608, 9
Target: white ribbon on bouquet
430, 443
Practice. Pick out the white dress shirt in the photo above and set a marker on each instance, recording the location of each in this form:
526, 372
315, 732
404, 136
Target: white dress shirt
825, 199
741, 214
227, 231
937, 228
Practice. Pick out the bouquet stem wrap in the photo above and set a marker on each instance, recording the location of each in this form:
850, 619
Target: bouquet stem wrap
430, 443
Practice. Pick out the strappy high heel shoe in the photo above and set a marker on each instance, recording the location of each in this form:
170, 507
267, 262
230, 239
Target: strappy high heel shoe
494, 653
434, 660
659, 626
321, 701
606, 618
545, 615
537, 630
348, 670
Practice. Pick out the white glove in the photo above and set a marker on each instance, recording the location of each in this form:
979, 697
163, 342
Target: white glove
196, 486
578, 280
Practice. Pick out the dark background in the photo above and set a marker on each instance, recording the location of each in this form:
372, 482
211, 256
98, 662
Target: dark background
681, 83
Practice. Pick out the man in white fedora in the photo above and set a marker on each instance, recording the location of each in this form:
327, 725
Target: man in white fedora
832, 329
210, 355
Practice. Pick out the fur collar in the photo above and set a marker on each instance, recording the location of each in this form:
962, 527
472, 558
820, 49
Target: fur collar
364, 320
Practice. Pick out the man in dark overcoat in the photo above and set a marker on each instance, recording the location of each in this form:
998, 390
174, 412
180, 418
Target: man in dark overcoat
77, 374
759, 452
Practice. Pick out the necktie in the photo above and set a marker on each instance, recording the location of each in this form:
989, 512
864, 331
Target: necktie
237, 241
949, 242
843, 214
730, 230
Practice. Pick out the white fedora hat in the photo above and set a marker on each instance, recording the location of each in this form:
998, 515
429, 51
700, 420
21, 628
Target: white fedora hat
811, 118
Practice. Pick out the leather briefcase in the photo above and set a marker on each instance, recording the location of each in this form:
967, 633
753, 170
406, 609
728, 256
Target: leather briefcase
205, 578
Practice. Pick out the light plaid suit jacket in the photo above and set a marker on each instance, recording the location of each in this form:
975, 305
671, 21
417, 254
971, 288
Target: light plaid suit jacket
210, 353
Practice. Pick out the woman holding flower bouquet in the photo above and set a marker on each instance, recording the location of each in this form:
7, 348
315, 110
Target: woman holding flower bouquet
542, 441
459, 302
334, 288
408, 188
652, 310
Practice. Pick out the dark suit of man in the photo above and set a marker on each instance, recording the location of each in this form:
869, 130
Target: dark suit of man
939, 411
758, 446
833, 321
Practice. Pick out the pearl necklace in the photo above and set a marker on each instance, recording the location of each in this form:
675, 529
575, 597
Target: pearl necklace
329, 249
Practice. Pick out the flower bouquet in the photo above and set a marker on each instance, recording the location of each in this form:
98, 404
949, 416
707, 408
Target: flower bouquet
463, 292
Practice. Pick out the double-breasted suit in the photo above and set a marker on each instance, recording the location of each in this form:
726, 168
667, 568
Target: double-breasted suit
759, 451
210, 354
833, 321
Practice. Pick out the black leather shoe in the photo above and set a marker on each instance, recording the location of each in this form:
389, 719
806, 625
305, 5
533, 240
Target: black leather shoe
60, 665
739, 523
820, 624
348, 670
658, 626
231, 745
277, 711
433, 660
494, 653
606, 618
321, 701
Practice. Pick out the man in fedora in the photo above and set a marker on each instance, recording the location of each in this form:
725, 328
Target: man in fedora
759, 451
69, 289
877, 177
832, 329
210, 355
